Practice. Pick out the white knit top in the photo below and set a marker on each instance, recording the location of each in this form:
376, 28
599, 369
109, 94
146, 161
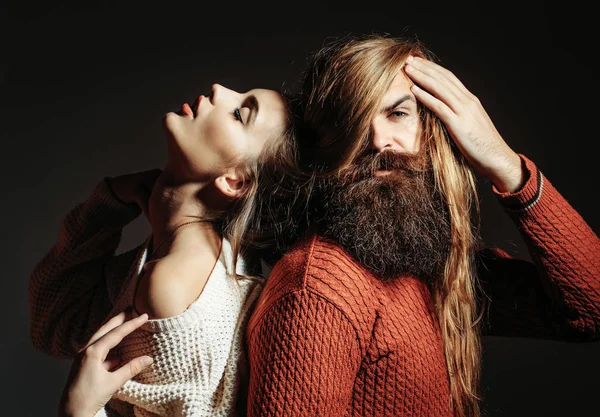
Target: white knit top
199, 363
197, 354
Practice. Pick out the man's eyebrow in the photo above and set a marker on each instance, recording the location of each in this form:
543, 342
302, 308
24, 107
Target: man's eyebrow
398, 102
254, 107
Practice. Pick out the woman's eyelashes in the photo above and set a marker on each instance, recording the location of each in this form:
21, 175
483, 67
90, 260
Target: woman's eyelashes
237, 115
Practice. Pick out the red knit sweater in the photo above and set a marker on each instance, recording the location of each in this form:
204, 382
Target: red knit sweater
328, 339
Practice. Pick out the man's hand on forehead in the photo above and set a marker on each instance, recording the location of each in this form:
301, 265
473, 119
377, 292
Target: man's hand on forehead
467, 122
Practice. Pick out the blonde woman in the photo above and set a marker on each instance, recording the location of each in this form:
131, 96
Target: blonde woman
189, 276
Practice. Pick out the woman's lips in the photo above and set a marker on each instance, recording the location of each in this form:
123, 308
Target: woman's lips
186, 109
197, 103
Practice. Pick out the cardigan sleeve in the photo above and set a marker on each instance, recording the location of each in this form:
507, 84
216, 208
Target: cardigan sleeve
558, 295
304, 355
70, 287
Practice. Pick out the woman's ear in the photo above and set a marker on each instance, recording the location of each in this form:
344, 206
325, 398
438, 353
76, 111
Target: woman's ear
230, 183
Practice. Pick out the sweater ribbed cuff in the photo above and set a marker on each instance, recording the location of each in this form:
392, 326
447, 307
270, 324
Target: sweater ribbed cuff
529, 194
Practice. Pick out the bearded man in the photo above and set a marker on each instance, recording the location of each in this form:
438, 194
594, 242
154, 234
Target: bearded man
379, 306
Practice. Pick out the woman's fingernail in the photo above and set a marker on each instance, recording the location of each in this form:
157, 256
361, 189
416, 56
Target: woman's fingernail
410, 58
147, 360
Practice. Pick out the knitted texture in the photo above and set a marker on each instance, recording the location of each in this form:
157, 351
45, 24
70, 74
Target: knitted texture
199, 363
329, 339
197, 354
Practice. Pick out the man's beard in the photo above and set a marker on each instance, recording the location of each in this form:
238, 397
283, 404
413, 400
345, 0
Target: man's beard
392, 225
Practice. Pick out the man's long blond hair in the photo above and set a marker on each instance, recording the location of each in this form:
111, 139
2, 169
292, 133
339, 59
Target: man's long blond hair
343, 88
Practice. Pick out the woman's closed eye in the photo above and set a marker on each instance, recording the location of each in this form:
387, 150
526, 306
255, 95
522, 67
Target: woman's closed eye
238, 115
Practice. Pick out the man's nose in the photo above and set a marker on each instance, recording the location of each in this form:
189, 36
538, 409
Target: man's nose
381, 140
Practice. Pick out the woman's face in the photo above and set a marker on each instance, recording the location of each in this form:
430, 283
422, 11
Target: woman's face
218, 132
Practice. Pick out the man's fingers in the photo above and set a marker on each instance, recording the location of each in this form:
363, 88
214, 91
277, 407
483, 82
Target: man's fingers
434, 69
131, 369
442, 111
428, 82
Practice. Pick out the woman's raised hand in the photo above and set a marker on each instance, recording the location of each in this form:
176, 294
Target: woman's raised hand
135, 188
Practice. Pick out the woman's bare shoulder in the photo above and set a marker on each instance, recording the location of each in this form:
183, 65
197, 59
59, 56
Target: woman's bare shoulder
168, 286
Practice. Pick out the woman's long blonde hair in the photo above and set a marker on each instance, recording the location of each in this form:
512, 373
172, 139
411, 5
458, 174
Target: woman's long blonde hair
343, 88
236, 221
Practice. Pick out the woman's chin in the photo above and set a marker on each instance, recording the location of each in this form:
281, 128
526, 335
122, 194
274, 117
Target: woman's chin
169, 120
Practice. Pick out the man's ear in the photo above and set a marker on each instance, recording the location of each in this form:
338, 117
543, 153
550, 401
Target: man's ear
230, 183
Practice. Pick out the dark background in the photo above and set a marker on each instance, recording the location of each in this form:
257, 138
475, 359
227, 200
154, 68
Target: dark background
84, 86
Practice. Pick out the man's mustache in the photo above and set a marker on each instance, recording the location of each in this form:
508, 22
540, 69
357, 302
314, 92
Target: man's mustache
369, 164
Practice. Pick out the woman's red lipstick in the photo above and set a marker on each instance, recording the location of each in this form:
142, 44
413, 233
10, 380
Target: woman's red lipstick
186, 109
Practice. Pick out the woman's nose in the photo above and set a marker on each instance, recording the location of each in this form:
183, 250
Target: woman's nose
219, 93
214, 92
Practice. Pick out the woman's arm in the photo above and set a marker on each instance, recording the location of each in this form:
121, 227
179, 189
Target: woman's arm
94, 376
71, 289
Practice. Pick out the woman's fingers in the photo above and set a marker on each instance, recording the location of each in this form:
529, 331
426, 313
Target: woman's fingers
116, 335
108, 326
130, 369
101, 347
146, 185
111, 363
96, 374
150, 177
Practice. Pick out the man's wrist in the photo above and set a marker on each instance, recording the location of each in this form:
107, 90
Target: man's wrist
512, 175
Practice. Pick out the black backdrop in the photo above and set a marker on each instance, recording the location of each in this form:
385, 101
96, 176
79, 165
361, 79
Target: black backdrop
83, 87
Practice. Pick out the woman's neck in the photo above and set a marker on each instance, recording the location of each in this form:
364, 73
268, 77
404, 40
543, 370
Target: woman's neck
188, 243
176, 215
